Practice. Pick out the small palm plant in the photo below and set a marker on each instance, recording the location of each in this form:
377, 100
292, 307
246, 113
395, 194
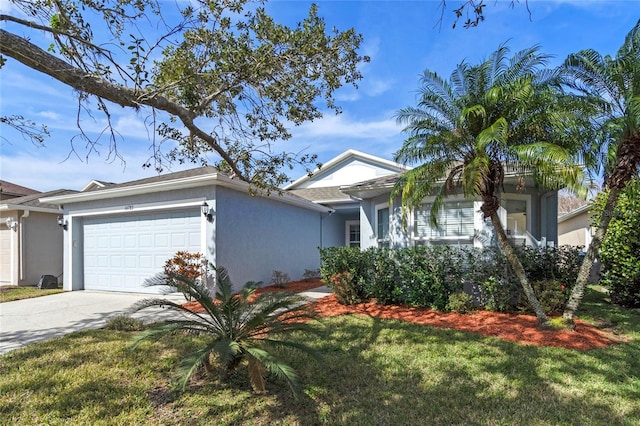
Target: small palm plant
237, 328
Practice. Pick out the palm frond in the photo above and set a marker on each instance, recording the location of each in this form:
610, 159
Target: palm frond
276, 367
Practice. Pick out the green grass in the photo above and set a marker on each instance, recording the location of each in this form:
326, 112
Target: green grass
374, 372
10, 293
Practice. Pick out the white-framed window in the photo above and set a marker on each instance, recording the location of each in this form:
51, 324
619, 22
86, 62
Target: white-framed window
456, 223
352, 233
382, 224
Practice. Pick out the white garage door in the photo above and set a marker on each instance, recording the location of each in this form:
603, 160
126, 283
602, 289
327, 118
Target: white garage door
120, 252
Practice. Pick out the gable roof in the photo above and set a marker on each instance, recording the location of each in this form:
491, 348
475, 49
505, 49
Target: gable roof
96, 184
336, 162
10, 190
192, 178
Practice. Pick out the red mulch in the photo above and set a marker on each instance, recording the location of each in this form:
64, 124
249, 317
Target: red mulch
512, 327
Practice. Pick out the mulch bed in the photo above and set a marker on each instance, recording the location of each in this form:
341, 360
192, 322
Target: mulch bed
517, 328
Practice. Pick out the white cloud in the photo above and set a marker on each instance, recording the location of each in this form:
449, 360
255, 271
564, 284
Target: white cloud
342, 126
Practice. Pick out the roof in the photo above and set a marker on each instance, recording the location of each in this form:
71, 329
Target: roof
33, 203
373, 187
350, 153
574, 213
13, 190
327, 194
192, 178
96, 184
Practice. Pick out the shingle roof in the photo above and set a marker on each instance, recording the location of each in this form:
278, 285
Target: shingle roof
328, 193
199, 171
13, 190
33, 200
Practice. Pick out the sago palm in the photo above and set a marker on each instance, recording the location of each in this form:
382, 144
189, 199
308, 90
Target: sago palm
466, 131
234, 328
614, 83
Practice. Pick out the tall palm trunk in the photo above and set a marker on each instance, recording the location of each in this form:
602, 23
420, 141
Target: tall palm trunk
587, 263
515, 263
627, 162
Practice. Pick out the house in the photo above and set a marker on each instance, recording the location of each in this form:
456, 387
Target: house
30, 239
118, 235
574, 228
529, 216
323, 186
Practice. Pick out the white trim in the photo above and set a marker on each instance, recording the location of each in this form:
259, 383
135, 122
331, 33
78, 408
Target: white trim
574, 213
347, 230
348, 153
379, 207
136, 208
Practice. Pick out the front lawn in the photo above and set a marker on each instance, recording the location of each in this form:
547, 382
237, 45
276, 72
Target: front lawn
9, 293
374, 372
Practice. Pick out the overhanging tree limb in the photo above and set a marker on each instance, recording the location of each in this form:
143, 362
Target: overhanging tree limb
32, 56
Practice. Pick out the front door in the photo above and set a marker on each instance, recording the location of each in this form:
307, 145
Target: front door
352, 230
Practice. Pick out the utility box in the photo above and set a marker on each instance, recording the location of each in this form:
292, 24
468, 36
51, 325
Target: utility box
48, 282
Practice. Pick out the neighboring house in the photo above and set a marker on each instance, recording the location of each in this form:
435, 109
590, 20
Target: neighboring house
118, 235
30, 239
574, 228
342, 228
529, 217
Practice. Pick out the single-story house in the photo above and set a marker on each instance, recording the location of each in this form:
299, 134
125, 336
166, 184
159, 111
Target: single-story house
529, 216
30, 239
118, 235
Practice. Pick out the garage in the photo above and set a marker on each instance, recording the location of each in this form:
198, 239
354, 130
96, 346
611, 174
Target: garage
121, 251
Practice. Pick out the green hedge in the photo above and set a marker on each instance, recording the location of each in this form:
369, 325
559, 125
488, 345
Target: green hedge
428, 276
620, 250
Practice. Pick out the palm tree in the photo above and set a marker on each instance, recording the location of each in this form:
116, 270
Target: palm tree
467, 130
237, 327
615, 84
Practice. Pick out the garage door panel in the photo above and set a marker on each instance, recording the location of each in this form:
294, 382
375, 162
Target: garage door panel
121, 252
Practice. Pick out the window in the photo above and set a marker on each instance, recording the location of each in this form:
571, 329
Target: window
352, 233
455, 221
382, 226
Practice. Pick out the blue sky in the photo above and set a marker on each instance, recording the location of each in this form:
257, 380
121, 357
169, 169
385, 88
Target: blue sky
401, 37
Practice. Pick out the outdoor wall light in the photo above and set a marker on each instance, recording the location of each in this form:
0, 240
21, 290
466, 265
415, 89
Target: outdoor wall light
11, 223
206, 212
62, 222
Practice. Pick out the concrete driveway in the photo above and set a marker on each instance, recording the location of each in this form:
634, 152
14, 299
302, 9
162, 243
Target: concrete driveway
27, 321
23, 322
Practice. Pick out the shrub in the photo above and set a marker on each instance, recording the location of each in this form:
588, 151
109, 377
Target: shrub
381, 279
184, 264
552, 295
337, 260
499, 294
279, 278
310, 274
124, 323
233, 328
460, 303
620, 250
346, 288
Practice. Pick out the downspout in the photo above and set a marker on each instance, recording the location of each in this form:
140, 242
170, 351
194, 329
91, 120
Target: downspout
21, 244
